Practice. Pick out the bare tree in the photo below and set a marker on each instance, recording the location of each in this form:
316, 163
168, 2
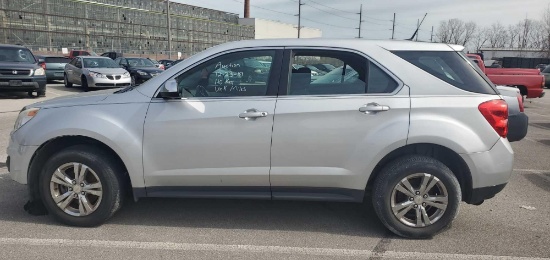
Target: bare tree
497, 35
480, 38
455, 31
513, 34
546, 30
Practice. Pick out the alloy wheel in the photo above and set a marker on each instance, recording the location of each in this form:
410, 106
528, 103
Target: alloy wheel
76, 189
419, 200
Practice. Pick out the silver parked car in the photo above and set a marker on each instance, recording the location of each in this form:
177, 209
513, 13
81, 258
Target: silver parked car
416, 127
95, 72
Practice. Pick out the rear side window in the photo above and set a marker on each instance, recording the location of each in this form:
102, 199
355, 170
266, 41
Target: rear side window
450, 67
57, 60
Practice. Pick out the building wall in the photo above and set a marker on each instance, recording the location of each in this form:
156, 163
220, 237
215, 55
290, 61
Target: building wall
266, 29
491, 53
130, 26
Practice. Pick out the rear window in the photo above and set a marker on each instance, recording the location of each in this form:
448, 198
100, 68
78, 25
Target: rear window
546, 70
57, 60
450, 67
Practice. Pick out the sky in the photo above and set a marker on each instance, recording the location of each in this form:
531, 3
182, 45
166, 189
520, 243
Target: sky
339, 19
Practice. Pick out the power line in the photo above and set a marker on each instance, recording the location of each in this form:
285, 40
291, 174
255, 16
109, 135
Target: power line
330, 13
337, 26
271, 10
332, 7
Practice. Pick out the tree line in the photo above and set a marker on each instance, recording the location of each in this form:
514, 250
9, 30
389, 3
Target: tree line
525, 34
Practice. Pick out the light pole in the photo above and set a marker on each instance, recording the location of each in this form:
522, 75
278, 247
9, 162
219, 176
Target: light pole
169, 34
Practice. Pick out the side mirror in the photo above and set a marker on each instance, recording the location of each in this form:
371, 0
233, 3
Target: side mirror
170, 90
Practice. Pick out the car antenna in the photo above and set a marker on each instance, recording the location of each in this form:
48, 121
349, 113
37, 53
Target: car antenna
417, 28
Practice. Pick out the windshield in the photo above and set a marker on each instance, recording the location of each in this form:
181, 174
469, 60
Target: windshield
99, 63
16, 55
140, 62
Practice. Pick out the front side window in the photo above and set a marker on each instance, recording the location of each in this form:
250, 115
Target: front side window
78, 63
327, 72
230, 75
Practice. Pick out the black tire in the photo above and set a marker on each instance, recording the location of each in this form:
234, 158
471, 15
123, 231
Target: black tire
66, 82
110, 176
404, 167
31, 94
133, 80
85, 86
41, 93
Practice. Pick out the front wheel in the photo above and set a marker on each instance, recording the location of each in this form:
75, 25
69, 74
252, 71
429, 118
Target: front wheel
133, 80
416, 196
85, 86
66, 82
81, 186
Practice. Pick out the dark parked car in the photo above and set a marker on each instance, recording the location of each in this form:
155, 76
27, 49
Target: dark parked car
20, 72
141, 69
112, 54
54, 66
541, 67
166, 63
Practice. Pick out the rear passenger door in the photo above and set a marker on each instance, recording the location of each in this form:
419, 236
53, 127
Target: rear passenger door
331, 127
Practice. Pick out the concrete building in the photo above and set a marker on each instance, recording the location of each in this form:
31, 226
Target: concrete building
130, 26
267, 29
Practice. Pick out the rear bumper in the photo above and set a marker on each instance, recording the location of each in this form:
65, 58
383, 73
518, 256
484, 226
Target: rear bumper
517, 127
54, 74
489, 169
535, 93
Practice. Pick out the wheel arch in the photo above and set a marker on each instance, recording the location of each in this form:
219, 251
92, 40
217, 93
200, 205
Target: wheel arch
444, 154
48, 148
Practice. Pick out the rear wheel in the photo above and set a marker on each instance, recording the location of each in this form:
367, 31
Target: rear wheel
416, 196
80, 186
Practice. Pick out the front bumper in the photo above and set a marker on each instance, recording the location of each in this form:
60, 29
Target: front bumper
19, 158
23, 83
109, 83
489, 169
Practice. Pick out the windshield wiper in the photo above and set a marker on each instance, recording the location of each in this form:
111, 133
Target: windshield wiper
126, 89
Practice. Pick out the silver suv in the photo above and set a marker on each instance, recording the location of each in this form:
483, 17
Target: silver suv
412, 126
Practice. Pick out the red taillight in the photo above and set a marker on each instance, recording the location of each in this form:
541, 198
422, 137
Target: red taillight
520, 101
43, 65
496, 113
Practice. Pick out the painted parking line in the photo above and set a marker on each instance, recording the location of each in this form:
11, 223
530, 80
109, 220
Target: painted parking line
247, 249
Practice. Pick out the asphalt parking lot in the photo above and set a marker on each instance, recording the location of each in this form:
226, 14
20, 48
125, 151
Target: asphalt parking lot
513, 225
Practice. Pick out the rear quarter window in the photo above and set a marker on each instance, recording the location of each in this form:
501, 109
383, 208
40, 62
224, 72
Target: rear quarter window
450, 67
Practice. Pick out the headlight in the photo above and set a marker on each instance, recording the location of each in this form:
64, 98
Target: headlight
142, 73
96, 75
25, 116
126, 75
39, 72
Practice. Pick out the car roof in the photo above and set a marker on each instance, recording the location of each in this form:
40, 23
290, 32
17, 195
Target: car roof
391, 45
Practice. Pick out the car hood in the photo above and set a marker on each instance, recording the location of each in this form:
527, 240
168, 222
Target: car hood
88, 98
108, 71
17, 65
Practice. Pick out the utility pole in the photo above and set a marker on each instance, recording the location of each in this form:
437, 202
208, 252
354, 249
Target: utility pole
360, 20
169, 34
299, 16
393, 27
417, 26
432, 35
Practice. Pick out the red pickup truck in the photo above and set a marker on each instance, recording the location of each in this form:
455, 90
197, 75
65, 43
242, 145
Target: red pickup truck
529, 81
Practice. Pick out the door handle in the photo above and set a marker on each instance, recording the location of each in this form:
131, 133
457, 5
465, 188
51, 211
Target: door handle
252, 114
372, 108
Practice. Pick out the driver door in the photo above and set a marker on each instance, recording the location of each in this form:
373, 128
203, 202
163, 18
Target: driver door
215, 140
